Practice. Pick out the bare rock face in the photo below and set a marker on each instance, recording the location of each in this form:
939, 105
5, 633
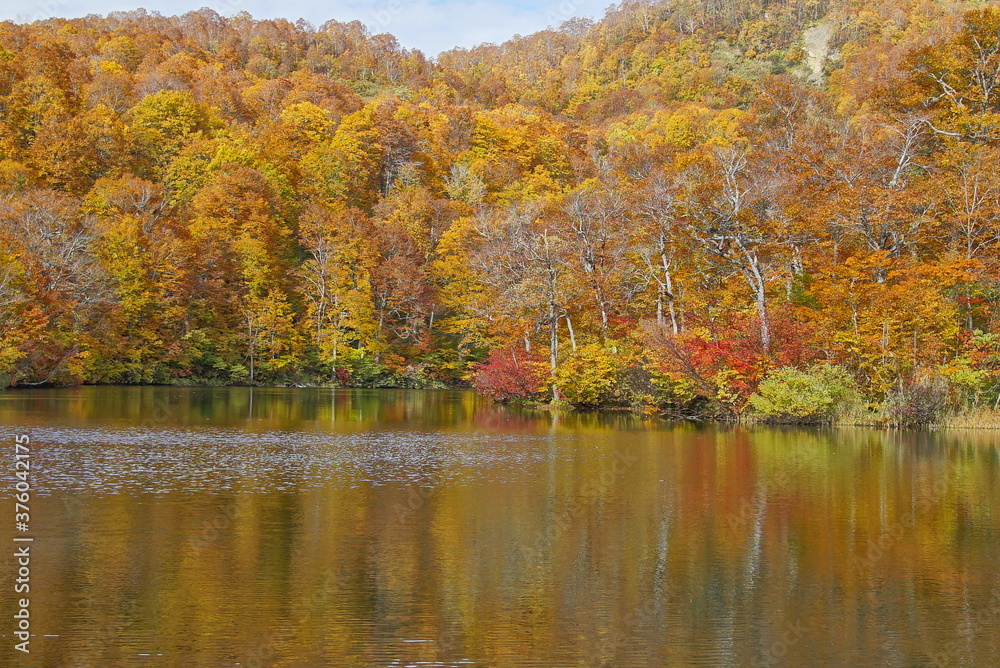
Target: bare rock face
816, 41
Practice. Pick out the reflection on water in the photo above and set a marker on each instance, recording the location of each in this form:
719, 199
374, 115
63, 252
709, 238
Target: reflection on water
220, 527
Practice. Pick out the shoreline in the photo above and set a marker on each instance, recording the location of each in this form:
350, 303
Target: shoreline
978, 419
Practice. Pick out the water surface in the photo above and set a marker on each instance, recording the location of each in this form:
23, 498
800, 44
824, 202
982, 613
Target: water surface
301, 527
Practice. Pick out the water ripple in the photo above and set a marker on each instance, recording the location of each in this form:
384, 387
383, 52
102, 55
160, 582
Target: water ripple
213, 459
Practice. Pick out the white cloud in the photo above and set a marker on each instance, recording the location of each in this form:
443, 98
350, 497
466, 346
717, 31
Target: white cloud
429, 25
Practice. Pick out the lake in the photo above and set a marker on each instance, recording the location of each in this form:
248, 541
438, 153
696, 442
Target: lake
318, 527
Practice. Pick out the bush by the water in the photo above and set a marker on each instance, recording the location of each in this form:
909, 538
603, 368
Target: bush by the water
511, 375
589, 377
793, 396
919, 402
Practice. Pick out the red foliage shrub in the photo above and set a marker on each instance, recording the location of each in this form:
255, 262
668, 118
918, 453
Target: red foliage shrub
510, 374
733, 346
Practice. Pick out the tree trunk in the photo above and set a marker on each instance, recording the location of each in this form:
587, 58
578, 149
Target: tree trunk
553, 340
572, 335
333, 364
604, 316
550, 270
668, 278
759, 288
765, 323
660, 295
553, 344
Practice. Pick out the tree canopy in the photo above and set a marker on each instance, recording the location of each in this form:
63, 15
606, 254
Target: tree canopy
661, 207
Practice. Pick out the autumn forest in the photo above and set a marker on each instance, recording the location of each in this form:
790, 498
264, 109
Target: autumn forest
788, 210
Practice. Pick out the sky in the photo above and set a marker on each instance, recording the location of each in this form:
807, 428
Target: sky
429, 25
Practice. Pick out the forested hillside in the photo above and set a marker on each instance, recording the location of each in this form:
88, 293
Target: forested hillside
662, 209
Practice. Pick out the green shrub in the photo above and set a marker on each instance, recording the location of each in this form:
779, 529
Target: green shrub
364, 371
789, 395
